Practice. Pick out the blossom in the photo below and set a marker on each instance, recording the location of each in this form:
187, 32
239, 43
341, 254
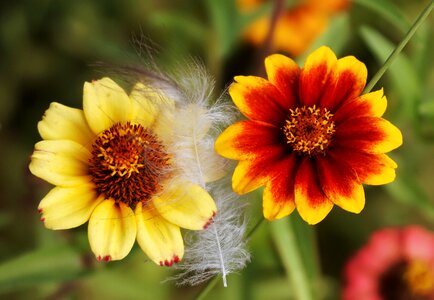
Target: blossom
311, 138
395, 264
297, 27
117, 164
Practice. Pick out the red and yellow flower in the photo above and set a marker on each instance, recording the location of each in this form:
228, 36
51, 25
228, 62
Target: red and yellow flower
297, 27
114, 164
394, 264
311, 138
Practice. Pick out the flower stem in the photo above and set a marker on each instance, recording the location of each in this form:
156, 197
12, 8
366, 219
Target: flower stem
422, 16
285, 238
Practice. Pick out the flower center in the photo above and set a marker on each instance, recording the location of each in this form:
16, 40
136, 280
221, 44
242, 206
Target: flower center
407, 280
419, 278
128, 163
309, 129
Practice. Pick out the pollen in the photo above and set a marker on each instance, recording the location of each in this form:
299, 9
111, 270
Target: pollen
128, 163
309, 130
419, 278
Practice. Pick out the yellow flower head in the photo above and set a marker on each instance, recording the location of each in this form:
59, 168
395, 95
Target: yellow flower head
120, 164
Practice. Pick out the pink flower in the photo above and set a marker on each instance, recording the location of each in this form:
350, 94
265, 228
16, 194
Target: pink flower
395, 264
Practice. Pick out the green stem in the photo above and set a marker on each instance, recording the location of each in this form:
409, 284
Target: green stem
422, 16
285, 238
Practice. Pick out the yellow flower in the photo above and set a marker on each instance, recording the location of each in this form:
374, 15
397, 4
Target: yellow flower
113, 164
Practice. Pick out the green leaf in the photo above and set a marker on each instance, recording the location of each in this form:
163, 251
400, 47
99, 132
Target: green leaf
44, 265
387, 11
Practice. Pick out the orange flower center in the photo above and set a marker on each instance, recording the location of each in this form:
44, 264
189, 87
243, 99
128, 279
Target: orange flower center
309, 129
128, 163
419, 278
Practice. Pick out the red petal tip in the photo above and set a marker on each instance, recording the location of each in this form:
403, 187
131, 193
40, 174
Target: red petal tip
40, 210
107, 258
42, 219
99, 258
176, 259
210, 220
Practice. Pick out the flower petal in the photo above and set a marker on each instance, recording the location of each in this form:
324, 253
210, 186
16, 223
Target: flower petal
160, 240
368, 105
60, 162
61, 122
248, 139
147, 103
246, 177
418, 244
64, 208
283, 73
105, 103
112, 230
373, 169
312, 204
369, 134
278, 196
258, 99
251, 174
317, 75
350, 79
340, 183
186, 205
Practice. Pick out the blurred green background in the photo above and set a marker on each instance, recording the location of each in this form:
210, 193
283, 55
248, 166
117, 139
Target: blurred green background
47, 49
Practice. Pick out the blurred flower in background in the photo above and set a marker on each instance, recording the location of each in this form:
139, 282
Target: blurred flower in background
296, 27
395, 264
311, 139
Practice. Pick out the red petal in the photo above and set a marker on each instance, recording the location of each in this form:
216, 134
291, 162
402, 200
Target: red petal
317, 75
278, 197
249, 139
350, 79
258, 99
312, 204
374, 169
251, 174
328, 82
369, 105
340, 183
367, 134
284, 73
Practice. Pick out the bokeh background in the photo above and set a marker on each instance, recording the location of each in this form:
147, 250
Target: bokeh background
49, 48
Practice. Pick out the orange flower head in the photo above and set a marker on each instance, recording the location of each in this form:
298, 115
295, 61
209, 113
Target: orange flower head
311, 138
297, 27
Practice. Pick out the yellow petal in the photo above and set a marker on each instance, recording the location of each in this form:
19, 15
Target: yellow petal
311, 202
376, 101
146, 103
159, 239
274, 207
340, 183
105, 103
64, 208
61, 122
244, 181
112, 230
385, 173
186, 205
60, 162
